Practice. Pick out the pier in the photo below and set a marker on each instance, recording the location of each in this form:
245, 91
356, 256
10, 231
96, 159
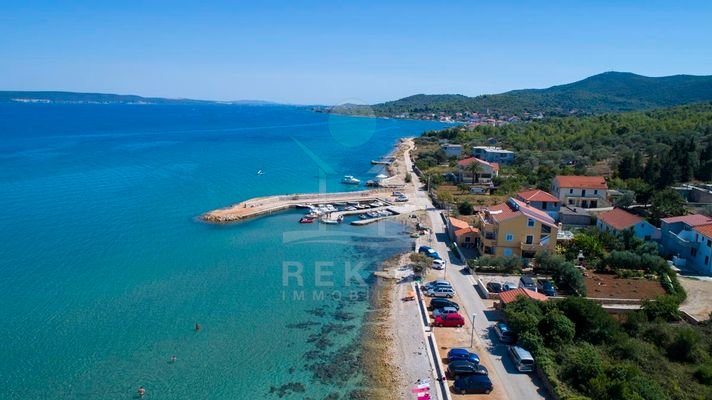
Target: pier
260, 206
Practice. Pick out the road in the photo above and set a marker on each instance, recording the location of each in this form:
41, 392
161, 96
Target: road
516, 385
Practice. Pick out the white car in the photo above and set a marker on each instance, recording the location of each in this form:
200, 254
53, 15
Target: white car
442, 291
438, 264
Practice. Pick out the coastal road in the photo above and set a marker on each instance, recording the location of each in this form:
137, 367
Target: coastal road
514, 384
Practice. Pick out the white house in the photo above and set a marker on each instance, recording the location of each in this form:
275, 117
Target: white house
485, 173
493, 154
452, 150
581, 191
617, 220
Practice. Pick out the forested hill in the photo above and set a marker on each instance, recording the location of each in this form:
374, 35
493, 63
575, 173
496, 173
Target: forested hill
603, 93
104, 98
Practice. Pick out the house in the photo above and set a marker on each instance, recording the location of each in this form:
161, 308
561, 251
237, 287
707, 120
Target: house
462, 233
581, 191
617, 220
575, 217
516, 229
703, 259
486, 171
541, 200
452, 150
493, 154
681, 239
511, 296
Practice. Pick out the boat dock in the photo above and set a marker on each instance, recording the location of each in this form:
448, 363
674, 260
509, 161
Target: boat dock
260, 206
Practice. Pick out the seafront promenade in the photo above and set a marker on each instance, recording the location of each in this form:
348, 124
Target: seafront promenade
259, 206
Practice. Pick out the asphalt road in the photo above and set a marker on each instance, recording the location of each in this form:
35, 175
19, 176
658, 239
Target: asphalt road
516, 385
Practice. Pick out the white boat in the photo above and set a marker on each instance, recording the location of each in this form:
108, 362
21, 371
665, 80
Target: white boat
350, 208
352, 203
350, 180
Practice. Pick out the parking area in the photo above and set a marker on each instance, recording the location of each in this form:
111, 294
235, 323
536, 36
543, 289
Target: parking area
699, 296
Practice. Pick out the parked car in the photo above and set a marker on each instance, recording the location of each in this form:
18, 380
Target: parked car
473, 384
449, 320
443, 291
527, 282
460, 368
547, 287
522, 359
402, 198
438, 312
508, 286
440, 302
428, 251
494, 287
437, 282
503, 332
438, 264
398, 194
462, 354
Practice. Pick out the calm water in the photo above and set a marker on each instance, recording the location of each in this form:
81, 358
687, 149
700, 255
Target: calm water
104, 270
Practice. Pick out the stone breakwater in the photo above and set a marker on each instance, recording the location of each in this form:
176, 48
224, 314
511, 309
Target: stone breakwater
259, 206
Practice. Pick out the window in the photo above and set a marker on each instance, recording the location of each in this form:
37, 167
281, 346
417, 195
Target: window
507, 252
709, 243
509, 237
693, 252
583, 192
543, 205
530, 239
571, 201
530, 223
595, 191
707, 260
467, 239
545, 229
571, 191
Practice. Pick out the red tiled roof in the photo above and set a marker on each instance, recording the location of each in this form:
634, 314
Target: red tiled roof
467, 161
537, 195
465, 231
706, 230
619, 219
458, 223
511, 295
501, 212
583, 182
692, 220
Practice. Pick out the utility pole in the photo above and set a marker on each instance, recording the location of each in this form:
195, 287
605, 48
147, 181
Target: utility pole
472, 336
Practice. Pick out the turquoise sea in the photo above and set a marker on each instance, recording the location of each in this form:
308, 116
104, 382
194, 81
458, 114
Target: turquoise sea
104, 269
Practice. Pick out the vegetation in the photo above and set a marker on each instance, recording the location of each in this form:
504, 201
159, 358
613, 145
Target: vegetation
496, 264
586, 354
603, 93
421, 263
565, 274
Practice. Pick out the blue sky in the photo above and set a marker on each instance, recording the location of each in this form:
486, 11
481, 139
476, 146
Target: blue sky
331, 51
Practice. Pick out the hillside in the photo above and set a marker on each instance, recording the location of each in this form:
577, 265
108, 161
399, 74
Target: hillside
603, 93
104, 98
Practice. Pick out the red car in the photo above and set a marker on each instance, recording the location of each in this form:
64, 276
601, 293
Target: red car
452, 319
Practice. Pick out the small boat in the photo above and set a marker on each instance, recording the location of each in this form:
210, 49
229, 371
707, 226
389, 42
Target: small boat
350, 180
350, 208
303, 206
372, 214
306, 220
363, 216
352, 203
260, 172
339, 203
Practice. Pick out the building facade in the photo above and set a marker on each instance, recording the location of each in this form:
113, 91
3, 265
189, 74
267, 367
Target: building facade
684, 238
541, 200
486, 171
581, 191
616, 221
452, 150
493, 154
515, 229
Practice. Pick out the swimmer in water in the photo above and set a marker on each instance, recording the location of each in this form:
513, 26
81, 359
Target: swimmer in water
197, 327
173, 359
141, 392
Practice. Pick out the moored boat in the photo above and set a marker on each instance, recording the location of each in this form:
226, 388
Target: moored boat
350, 180
306, 220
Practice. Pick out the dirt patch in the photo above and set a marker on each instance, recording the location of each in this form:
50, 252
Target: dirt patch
699, 297
608, 286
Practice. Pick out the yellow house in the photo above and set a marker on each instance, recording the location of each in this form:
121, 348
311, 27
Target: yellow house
515, 229
462, 233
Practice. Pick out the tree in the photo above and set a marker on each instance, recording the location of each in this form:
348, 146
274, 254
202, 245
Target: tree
465, 208
666, 203
592, 322
664, 308
556, 329
421, 263
464, 188
474, 168
686, 346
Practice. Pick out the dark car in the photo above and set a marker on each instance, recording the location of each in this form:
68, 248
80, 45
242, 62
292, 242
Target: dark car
460, 368
494, 287
428, 251
547, 287
473, 384
504, 334
462, 354
440, 303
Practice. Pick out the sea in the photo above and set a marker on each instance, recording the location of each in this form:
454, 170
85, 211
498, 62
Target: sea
107, 274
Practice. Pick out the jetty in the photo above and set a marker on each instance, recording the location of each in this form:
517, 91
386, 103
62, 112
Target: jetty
260, 206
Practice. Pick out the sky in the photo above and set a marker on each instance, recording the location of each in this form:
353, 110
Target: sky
332, 52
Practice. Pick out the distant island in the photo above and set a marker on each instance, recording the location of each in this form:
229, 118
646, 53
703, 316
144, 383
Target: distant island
105, 98
598, 94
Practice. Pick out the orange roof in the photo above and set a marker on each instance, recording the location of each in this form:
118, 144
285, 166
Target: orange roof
536, 195
467, 161
504, 211
705, 230
464, 231
458, 223
511, 295
619, 219
580, 181
692, 220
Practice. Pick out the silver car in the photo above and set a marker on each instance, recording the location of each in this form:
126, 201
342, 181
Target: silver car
439, 312
443, 291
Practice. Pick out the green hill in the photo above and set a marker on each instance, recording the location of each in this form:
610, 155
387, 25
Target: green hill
603, 93
105, 98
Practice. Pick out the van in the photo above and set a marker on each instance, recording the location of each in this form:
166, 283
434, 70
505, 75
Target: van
527, 282
523, 360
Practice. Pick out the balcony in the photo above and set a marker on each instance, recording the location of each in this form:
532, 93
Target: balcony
529, 246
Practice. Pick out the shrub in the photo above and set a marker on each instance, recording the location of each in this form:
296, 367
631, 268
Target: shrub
580, 364
465, 208
704, 374
663, 308
556, 329
686, 346
408, 177
592, 322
